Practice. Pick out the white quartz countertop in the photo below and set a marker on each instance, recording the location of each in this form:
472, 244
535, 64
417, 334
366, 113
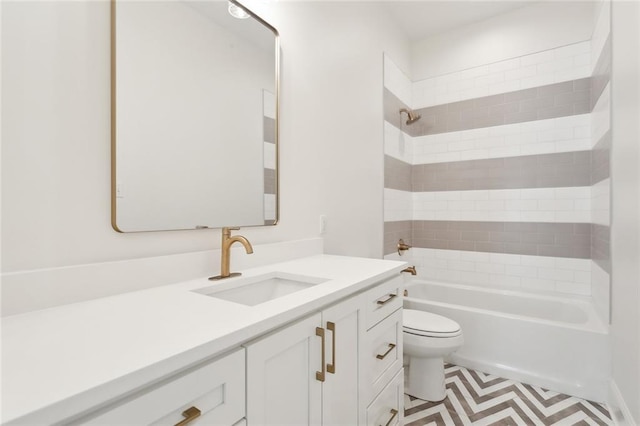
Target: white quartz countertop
64, 360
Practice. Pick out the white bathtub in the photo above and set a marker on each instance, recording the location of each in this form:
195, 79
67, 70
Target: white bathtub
554, 342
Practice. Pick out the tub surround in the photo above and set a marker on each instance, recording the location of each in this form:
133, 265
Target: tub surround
67, 359
502, 162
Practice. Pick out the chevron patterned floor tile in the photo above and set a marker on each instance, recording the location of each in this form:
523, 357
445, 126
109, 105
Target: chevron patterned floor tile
475, 398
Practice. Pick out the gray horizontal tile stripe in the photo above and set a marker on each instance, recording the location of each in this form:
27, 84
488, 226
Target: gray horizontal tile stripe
601, 246
269, 130
539, 103
601, 159
528, 238
556, 170
397, 174
393, 231
571, 240
601, 73
269, 181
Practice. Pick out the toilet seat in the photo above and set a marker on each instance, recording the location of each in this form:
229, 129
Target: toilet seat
415, 322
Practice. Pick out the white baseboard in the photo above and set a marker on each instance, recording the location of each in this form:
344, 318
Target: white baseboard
26, 291
618, 407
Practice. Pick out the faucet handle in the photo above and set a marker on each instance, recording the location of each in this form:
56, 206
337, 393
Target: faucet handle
402, 247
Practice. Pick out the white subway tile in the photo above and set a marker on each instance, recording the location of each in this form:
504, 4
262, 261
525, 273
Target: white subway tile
506, 86
506, 259
474, 256
538, 285
522, 271
573, 288
505, 194
583, 277
491, 268
396, 81
538, 194
540, 261
538, 216
582, 59
579, 216
461, 265
556, 205
556, 274
537, 58
505, 280
486, 80
539, 148
475, 278
573, 264
507, 65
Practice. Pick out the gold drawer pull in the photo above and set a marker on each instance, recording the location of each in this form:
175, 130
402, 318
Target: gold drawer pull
331, 368
190, 414
384, 355
394, 413
320, 374
388, 299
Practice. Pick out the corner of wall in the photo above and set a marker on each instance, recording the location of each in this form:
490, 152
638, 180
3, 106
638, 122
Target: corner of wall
620, 413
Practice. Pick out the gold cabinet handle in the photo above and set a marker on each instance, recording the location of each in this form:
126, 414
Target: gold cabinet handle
320, 374
388, 299
331, 368
394, 413
190, 414
384, 355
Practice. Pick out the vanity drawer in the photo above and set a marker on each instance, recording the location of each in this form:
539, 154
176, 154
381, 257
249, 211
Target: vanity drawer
383, 299
216, 389
384, 353
387, 408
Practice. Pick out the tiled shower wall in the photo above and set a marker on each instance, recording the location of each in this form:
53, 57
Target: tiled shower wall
493, 186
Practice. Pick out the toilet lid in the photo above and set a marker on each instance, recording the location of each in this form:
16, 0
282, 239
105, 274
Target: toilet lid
428, 324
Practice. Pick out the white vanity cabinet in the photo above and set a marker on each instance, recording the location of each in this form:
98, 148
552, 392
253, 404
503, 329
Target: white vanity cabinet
307, 372
330, 354
382, 381
328, 368
209, 394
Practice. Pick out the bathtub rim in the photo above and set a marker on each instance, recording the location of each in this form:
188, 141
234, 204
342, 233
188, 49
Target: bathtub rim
584, 303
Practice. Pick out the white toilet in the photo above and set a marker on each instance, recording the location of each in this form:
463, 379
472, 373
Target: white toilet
428, 338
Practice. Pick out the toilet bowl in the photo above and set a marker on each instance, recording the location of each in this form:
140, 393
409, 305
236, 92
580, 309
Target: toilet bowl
428, 338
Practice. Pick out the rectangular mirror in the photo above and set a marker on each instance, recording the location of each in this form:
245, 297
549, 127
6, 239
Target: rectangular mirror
194, 116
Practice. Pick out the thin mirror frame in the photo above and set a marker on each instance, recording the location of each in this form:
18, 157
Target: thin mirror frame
114, 224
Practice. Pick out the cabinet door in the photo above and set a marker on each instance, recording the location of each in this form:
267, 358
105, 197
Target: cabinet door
340, 388
281, 376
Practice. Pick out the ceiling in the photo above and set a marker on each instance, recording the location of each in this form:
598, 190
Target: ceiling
422, 19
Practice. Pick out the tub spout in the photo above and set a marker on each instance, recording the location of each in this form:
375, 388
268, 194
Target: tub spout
411, 270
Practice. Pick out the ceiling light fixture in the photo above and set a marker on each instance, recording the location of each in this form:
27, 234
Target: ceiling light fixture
237, 12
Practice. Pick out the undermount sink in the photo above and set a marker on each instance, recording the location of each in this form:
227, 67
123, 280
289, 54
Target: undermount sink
253, 291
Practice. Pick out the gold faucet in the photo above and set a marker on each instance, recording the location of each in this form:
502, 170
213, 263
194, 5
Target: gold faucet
411, 270
227, 242
402, 247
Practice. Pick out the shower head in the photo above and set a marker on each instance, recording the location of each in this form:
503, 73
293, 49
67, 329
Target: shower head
412, 117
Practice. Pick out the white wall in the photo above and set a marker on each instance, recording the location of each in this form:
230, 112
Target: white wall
55, 162
625, 225
504, 36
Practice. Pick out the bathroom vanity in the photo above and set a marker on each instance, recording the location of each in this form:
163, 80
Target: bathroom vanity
316, 340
